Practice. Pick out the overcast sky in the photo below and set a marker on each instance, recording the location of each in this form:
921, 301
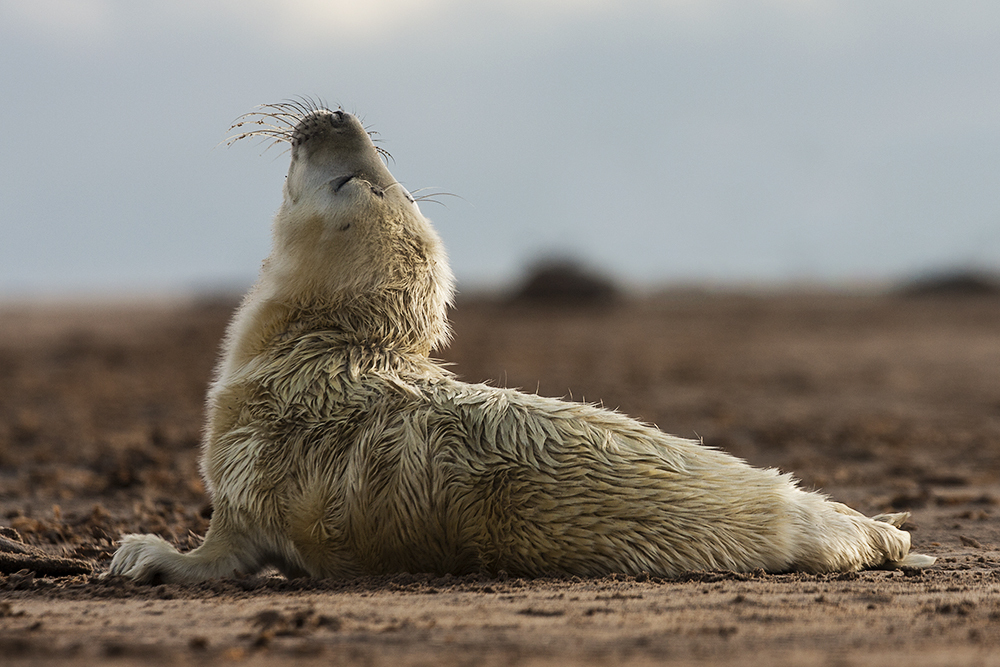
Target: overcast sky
684, 141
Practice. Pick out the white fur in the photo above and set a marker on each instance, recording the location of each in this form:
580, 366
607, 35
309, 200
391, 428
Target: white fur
335, 447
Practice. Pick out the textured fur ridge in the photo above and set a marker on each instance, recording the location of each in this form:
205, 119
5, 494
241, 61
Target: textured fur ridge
336, 447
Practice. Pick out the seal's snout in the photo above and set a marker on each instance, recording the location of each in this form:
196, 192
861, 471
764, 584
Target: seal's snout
333, 147
323, 122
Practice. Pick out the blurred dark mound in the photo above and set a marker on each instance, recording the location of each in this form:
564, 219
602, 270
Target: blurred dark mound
953, 283
562, 282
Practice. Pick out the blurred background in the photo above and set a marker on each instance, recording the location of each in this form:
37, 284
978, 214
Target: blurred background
726, 142
706, 154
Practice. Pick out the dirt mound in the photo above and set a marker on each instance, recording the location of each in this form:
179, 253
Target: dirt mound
565, 283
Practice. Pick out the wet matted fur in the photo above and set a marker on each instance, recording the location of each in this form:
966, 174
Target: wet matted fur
335, 446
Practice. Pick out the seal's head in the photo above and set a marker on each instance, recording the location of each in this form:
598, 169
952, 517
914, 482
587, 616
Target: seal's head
330, 150
349, 240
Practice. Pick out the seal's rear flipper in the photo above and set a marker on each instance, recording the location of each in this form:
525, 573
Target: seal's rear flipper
912, 560
897, 519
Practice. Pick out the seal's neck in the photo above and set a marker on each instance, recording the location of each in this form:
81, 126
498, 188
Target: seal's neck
409, 317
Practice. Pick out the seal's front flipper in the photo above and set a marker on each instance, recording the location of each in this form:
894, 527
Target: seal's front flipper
151, 559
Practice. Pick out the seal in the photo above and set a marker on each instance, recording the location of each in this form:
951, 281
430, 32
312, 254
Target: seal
336, 447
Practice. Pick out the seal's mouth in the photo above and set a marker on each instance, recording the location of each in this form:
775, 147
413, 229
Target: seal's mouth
338, 183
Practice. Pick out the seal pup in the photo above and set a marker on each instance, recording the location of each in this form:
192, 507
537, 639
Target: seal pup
335, 446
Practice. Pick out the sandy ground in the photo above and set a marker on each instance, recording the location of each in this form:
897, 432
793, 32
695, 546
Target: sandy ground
884, 402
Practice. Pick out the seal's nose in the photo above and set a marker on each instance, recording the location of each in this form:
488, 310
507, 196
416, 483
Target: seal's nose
318, 123
333, 118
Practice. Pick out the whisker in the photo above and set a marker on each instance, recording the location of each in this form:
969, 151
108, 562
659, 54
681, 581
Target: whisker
430, 196
262, 125
302, 106
386, 155
287, 119
275, 121
277, 136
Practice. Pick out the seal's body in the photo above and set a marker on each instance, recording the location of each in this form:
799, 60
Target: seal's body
336, 447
